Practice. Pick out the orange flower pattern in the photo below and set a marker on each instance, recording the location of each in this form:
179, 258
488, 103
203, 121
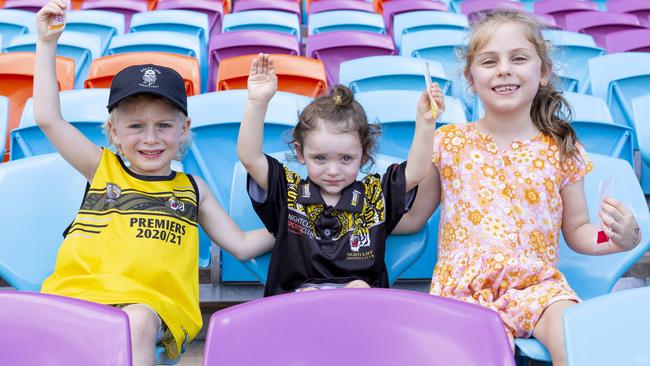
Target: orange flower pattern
501, 219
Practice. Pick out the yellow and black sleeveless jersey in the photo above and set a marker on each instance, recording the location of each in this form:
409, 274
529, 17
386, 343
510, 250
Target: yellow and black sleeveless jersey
316, 243
135, 240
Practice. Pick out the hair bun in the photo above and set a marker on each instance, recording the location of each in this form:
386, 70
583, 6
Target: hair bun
341, 95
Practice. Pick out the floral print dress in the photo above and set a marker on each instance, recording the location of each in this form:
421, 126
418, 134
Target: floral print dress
500, 223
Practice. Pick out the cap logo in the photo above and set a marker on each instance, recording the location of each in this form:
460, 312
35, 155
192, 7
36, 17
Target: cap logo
149, 77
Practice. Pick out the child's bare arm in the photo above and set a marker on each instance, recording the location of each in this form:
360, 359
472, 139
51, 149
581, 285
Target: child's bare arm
419, 158
75, 148
618, 223
262, 85
426, 202
220, 227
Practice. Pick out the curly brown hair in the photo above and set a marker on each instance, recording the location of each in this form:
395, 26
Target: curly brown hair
341, 111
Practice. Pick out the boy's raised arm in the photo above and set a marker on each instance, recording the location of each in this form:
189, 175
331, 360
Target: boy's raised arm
419, 158
75, 148
262, 85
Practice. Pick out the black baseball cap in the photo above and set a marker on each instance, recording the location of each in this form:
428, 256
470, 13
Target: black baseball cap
148, 79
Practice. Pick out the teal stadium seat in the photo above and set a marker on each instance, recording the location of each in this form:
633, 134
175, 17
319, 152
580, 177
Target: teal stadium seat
401, 250
4, 120
352, 20
609, 330
269, 20
84, 108
15, 22
417, 21
390, 72
105, 24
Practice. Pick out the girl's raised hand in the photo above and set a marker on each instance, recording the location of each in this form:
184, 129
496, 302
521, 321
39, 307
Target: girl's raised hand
45, 16
262, 81
425, 107
619, 224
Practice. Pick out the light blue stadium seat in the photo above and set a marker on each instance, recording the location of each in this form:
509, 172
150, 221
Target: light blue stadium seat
270, 20
416, 21
336, 20
641, 120
163, 41
609, 330
105, 24
596, 129
83, 48
84, 108
444, 46
401, 250
390, 72
45, 193
395, 111
183, 21
4, 120
570, 52
215, 126
618, 78
14, 23
592, 276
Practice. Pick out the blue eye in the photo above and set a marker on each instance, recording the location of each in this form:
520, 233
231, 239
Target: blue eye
346, 158
319, 158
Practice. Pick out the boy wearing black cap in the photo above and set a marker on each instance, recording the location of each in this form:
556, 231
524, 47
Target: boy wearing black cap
134, 241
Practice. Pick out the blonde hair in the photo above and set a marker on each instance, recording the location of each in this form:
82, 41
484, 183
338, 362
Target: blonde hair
550, 111
113, 117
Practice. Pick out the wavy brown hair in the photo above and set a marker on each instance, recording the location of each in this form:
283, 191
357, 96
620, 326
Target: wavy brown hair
340, 111
550, 111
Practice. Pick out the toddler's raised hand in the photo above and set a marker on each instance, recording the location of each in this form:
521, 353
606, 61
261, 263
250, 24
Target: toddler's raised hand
619, 224
262, 81
46, 16
425, 108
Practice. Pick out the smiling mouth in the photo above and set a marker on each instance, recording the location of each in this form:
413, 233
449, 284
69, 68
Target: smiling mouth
152, 154
505, 88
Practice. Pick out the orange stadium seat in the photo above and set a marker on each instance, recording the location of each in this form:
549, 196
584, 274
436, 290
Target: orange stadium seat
17, 82
76, 4
296, 74
104, 68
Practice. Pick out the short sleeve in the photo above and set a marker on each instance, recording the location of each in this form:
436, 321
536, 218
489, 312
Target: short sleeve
575, 167
437, 146
270, 205
398, 202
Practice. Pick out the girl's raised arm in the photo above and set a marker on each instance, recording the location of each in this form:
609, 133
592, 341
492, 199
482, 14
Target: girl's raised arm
262, 85
419, 158
220, 227
75, 148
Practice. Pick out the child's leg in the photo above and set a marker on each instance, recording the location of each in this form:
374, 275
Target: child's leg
549, 331
144, 323
357, 284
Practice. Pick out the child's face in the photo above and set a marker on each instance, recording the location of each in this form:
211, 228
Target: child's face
333, 159
149, 133
507, 71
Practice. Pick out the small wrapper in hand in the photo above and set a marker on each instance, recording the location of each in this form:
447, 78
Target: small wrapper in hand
605, 190
427, 79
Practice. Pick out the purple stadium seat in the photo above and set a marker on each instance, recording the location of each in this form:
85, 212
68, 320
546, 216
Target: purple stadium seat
599, 23
247, 42
41, 329
392, 8
635, 40
321, 6
378, 327
335, 47
558, 9
212, 8
474, 8
547, 21
289, 6
28, 5
640, 8
126, 7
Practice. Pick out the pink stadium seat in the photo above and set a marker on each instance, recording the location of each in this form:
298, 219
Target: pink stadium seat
321, 6
473, 8
640, 8
558, 9
289, 6
599, 23
635, 40
126, 7
392, 8
212, 8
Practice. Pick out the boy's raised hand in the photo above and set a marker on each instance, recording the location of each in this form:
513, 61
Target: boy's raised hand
425, 107
262, 81
45, 16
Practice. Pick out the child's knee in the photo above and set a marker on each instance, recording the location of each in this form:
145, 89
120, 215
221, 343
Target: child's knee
143, 321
